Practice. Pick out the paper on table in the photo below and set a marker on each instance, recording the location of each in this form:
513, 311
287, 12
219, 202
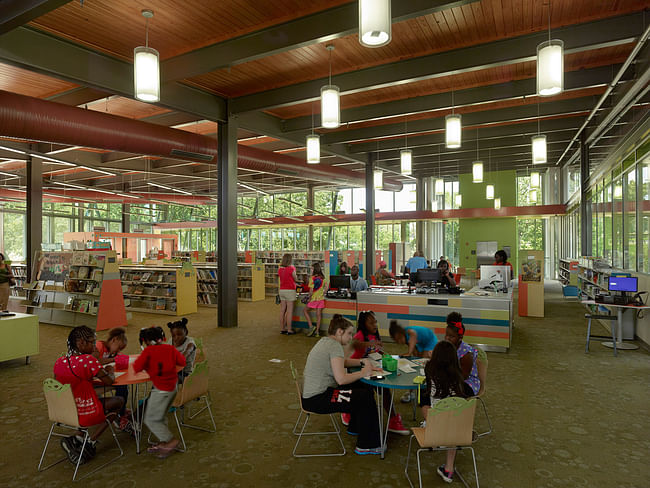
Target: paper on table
119, 373
405, 366
377, 373
375, 356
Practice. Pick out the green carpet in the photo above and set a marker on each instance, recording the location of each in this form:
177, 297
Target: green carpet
561, 418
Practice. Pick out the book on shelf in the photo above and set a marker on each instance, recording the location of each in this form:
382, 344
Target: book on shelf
127, 302
139, 290
172, 306
100, 260
83, 272
160, 304
77, 259
145, 277
39, 285
90, 286
83, 306
160, 277
97, 275
169, 292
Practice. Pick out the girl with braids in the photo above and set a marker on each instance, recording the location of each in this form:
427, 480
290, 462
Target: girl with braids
367, 341
78, 368
443, 379
466, 354
183, 344
159, 360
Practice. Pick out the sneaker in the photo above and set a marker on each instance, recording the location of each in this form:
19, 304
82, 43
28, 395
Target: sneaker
69, 445
444, 474
89, 450
313, 332
364, 452
423, 424
345, 418
125, 425
407, 398
396, 426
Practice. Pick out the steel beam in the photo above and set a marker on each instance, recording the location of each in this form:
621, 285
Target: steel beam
227, 224
312, 29
573, 80
15, 13
52, 56
370, 216
78, 96
577, 38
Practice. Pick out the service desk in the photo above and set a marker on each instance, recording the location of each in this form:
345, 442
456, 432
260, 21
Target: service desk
20, 334
487, 315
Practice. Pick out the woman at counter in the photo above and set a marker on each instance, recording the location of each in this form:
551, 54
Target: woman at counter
288, 278
383, 276
446, 276
501, 259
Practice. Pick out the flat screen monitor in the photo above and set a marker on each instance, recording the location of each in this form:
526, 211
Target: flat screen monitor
426, 275
495, 275
340, 282
622, 283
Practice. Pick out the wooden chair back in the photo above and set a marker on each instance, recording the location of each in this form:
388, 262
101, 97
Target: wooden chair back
450, 423
194, 386
298, 381
61, 406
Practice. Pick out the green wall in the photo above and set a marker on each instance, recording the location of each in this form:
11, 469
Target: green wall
505, 187
503, 231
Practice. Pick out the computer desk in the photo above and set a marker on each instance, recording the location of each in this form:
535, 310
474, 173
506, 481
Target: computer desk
619, 329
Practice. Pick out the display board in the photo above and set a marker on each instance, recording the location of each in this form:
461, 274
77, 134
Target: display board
52, 266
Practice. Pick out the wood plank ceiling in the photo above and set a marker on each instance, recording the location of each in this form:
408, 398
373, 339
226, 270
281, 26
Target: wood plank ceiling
269, 58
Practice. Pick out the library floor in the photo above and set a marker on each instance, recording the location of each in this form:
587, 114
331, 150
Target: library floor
561, 418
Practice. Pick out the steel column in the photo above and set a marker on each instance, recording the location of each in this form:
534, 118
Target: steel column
585, 207
370, 215
227, 224
34, 198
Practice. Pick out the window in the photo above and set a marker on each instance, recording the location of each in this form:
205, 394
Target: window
405, 199
524, 192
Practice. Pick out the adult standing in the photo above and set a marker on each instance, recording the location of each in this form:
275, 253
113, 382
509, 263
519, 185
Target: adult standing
416, 262
328, 387
357, 283
6, 280
288, 278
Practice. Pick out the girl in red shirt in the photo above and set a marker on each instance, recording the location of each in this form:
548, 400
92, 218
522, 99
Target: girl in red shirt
160, 361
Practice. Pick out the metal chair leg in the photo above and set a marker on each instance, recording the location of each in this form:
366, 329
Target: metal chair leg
408, 457
47, 443
336, 431
489, 431
588, 334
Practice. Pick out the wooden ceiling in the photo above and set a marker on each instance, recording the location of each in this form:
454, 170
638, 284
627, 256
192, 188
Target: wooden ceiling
268, 59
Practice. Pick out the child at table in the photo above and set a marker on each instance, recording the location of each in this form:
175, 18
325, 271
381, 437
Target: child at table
183, 344
105, 352
443, 379
466, 354
367, 341
317, 289
159, 360
77, 369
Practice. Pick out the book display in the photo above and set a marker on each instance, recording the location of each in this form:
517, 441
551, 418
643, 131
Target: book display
168, 289
272, 259
250, 283
20, 278
76, 288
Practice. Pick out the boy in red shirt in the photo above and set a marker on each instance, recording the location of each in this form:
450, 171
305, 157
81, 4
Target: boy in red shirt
160, 361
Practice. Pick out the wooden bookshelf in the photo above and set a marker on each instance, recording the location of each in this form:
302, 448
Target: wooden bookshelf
272, 259
169, 290
250, 283
568, 272
76, 288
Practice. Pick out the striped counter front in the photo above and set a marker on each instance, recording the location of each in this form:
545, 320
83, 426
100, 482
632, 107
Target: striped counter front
347, 308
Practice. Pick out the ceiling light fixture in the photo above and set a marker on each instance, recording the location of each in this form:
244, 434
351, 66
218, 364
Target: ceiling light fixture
406, 155
374, 22
539, 149
452, 128
146, 67
534, 179
378, 179
489, 188
497, 203
313, 143
477, 166
459, 200
550, 64
330, 103
169, 188
439, 187
532, 195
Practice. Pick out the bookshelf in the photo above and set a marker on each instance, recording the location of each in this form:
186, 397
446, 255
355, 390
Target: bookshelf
272, 259
250, 283
19, 271
76, 288
169, 290
568, 272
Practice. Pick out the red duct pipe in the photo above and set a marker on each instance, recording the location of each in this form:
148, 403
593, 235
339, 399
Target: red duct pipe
41, 120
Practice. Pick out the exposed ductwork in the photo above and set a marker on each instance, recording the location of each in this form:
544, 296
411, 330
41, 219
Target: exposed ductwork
44, 121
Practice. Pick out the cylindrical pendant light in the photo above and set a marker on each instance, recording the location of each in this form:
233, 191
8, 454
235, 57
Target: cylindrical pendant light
539, 149
497, 203
406, 161
550, 67
146, 68
374, 22
440, 187
459, 200
452, 131
532, 195
378, 178
330, 108
534, 179
489, 192
313, 149
477, 172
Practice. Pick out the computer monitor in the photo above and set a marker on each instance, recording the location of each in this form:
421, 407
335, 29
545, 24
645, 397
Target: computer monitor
426, 275
622, 283
492, 275
340, 282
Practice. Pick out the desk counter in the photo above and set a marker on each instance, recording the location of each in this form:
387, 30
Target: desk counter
21, 337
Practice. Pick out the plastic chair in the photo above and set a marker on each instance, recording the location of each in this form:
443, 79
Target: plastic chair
195, 387
308, 414
482, 366
449, 426
62, 411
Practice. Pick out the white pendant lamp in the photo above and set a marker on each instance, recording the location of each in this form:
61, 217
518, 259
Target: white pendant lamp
374, 22
532, 195
489, 192
406, 161
330, 104
313, 149
550, 67
497, 203
439, 187
452, 131
459, 200
378, 178
477, 172
539, 149
146, 68
534, 179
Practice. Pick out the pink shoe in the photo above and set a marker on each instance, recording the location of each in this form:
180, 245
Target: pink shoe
396, 427
345, 418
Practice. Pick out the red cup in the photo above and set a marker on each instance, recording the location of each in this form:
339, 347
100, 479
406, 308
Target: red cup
121, 361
